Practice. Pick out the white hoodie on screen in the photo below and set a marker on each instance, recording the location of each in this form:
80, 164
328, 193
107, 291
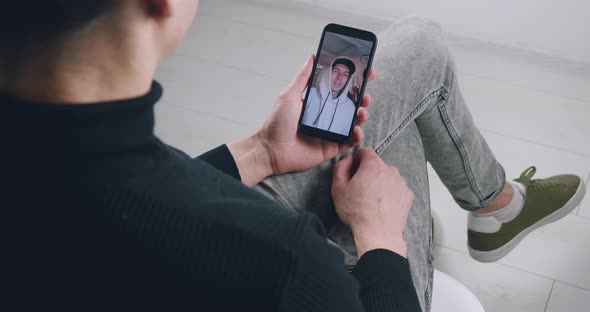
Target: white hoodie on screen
328, 113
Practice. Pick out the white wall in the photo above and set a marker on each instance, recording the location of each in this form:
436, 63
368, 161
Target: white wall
554, 27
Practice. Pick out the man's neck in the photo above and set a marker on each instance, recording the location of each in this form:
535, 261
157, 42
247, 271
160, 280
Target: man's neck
84, 72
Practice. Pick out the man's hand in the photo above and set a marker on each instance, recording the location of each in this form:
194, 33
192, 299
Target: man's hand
291, 151
373, 199
279, 148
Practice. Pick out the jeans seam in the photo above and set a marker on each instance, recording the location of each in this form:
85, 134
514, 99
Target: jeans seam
408, 118
462, 151
486, 201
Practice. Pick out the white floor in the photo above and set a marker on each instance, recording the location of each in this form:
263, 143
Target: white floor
533, 110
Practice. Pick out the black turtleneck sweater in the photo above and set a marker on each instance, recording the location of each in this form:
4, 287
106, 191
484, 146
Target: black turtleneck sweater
98, 214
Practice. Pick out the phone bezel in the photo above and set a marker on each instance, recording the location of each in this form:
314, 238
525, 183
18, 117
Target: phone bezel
354, 33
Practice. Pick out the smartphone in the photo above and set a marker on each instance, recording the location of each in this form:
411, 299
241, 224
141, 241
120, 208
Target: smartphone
337, 83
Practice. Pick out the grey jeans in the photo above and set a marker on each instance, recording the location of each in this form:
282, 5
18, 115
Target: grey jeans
417, 115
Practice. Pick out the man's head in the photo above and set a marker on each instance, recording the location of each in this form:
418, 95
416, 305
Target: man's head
38, 20
25, 22
138, 33
342, 70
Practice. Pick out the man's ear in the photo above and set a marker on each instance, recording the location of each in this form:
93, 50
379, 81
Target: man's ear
158, 8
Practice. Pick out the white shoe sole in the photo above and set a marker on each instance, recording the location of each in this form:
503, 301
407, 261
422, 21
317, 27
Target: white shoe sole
497, 254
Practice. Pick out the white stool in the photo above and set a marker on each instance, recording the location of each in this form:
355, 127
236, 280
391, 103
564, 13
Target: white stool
450, 295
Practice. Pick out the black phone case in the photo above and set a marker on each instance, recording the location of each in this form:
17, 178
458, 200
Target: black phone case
354, 33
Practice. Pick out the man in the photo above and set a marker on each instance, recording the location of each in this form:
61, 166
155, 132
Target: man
328, 107
99, 214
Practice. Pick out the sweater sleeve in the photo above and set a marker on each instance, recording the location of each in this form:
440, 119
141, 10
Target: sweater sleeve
385, 282
380, 282
222, 159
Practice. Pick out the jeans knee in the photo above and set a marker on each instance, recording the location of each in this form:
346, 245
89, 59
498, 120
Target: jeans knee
418, 41
418, 32
415, 34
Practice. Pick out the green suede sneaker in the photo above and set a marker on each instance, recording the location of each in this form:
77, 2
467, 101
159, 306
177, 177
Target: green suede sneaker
545, 201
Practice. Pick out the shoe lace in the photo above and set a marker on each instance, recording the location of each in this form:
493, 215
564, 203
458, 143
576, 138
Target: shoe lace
526, 178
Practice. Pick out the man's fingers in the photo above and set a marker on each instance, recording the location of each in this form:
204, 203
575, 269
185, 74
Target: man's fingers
366, 153
372, 74
362, 115
299, 84
367, 100
357, 136
365, 157
342, 171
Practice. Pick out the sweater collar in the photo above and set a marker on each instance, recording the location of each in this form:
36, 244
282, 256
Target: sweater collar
33, 129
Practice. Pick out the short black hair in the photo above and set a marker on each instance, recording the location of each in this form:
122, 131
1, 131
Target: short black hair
346, 62
23, 22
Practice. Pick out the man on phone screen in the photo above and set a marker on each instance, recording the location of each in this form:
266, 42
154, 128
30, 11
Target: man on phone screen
328, 106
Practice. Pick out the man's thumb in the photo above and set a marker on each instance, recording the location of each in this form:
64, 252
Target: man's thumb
299, 84
342, 170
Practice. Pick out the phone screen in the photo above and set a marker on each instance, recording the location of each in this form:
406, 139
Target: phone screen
337, 83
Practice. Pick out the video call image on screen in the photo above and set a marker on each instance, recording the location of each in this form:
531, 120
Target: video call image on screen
338, 77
